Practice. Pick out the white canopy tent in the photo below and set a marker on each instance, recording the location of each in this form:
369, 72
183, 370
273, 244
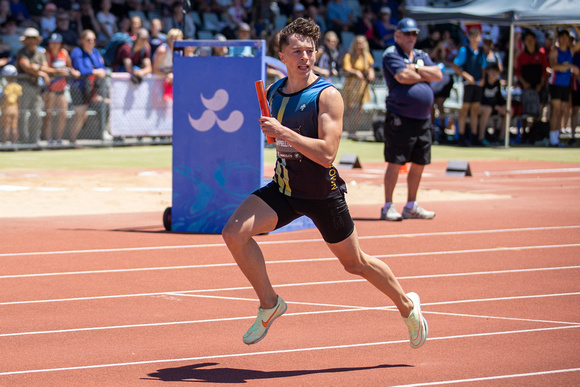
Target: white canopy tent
531, 13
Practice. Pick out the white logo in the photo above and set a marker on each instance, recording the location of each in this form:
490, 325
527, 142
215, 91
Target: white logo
302, 107
209, 118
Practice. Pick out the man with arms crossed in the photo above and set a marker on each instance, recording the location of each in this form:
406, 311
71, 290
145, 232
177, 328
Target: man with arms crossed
306, 121
407, 124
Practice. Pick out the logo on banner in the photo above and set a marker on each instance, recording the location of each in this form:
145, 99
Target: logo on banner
209, 117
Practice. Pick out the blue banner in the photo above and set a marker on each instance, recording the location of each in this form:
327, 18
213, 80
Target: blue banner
217, 141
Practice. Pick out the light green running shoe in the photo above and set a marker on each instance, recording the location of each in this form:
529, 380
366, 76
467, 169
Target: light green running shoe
416, 323
265, 318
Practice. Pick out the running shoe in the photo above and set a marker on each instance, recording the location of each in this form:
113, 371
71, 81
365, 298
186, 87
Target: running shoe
416, 323
391, 214
265, 318
417, 212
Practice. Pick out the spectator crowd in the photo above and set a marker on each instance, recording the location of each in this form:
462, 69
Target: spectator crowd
47, 47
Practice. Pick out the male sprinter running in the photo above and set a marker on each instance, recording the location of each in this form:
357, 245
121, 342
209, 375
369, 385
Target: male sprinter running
307, 124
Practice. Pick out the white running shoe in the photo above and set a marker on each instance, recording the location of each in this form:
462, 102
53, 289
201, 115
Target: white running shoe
391, 214
265, 318
416, 323
417, 212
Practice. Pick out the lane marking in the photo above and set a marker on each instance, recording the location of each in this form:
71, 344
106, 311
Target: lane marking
342, 308
427, 276
443, 233
306, 260
486, 378
281, 351
532, 171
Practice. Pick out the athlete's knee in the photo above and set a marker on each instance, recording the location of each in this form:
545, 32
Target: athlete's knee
355, 265
232, 234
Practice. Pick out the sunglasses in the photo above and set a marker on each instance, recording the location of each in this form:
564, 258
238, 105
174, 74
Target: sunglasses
411, 33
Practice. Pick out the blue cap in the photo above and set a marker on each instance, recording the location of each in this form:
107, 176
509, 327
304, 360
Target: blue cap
407, 24
55, 38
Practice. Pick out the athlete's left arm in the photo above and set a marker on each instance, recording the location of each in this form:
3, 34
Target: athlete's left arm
321, 150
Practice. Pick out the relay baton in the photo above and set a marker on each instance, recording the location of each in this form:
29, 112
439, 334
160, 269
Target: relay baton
263, 104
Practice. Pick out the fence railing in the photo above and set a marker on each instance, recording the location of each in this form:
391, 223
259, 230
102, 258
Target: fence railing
123, 113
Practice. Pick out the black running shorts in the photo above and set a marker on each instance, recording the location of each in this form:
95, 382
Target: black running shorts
407, 140
331, 216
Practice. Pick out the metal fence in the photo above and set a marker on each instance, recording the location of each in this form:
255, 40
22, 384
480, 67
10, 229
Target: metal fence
45, 123
42, 117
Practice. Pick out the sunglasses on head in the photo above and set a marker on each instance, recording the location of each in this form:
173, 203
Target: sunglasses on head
411, 33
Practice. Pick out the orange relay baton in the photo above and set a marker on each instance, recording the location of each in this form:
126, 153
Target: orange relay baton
263, 104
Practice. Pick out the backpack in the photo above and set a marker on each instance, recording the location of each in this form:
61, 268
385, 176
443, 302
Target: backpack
110, 50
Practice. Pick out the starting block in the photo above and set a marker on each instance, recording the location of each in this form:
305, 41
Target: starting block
349, 161
458, 169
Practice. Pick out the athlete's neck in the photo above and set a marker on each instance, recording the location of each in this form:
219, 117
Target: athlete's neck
294, 84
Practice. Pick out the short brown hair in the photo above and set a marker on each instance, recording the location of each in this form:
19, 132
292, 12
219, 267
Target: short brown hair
300, 26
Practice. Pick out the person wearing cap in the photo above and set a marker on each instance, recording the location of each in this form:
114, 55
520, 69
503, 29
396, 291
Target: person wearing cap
11, 94
59, 66
386, 27
30, 60
407, 131
220, 50
243, 32
559, 82
470, 64
298, 11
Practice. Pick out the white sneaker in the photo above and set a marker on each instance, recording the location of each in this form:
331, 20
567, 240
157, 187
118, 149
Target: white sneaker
265, 318
416, 323
391, 214
417, 212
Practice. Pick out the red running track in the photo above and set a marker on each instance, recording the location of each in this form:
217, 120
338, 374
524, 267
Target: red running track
116, 300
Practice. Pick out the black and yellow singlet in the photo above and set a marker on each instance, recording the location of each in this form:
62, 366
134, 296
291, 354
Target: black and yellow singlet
296, 175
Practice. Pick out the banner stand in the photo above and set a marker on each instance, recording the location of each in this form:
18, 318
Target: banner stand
218, 147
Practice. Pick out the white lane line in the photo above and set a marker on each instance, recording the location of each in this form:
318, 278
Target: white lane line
442, 233
533, 171
487, 378
281, 351
341, 309
306, 260
291, 285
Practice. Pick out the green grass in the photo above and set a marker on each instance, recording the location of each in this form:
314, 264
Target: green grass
144, 157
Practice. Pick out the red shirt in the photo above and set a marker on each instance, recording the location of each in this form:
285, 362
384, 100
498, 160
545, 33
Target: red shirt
531, 67
126, 51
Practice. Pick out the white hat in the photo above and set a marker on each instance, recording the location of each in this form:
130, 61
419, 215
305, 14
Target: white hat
31, 33
9, 71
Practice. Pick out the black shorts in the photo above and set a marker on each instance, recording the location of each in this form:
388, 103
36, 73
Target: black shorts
472, 93
407, 140
445, 92
560, 92
575, 97
331, 216
77, 96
